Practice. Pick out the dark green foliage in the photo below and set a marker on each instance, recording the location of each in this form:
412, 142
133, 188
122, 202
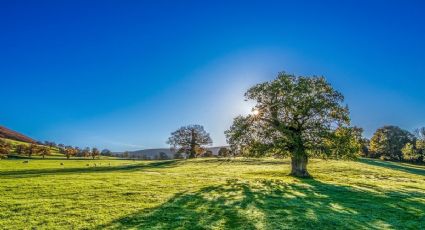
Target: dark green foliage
343, 143
207, 153
293, 116
190, 139
106, 152
388, 142
223, 152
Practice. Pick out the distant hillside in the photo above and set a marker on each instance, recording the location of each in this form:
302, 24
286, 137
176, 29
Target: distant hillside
13, 135
151, 153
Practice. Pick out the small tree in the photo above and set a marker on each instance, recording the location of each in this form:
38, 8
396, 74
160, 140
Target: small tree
5, 148
190, 139
95, 153
364, 152
163, 156
21, 149
86, 152
69, 152
32, 149
44, 150
78, 152
106, 152
51, 144
293, 116
420, 148
126, 154
388, 141
208, 153
223, 152
344, 143
410, 153
420, 143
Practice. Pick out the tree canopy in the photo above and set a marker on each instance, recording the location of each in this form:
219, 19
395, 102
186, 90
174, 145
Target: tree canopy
5, 148
387, 142
295, 116
191, 139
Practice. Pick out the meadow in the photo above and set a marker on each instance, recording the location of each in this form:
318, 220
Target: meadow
210, 193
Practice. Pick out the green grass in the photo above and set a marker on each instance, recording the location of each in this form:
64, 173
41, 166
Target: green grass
210, 194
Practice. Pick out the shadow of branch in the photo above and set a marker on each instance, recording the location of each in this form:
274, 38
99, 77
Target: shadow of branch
273, 204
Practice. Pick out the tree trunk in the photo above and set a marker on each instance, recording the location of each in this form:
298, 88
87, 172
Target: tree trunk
299, 165
192, 152
299, 158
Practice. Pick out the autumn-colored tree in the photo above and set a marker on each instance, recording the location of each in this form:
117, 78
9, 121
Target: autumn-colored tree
21, 149
86, 152
32, 149
5, 148
44, 151
69, 151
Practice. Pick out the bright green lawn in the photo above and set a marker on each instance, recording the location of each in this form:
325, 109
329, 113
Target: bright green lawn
210, 194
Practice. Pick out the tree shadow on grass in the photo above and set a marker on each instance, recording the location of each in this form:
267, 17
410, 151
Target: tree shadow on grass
273, 204
87, 169
243, 161
394, 165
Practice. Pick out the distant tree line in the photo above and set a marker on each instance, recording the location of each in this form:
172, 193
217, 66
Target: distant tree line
47, 148
396, 144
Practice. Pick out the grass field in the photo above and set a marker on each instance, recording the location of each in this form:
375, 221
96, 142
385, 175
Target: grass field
210, 194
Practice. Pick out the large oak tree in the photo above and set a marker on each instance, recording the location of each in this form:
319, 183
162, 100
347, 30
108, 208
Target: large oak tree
191, 139
296, 116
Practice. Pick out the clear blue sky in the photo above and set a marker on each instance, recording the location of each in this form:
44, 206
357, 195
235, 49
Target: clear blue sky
124, 74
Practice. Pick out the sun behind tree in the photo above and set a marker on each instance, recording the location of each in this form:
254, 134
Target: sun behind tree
191, 139
296, 117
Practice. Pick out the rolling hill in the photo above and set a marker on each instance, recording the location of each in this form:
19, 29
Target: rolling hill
13, 135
